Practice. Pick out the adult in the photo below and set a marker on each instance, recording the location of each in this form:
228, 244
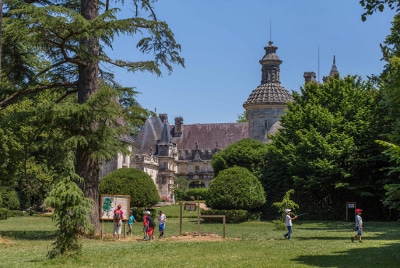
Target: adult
161, 223
118, 217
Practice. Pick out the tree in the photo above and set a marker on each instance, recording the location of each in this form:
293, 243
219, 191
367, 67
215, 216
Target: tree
235, 188
242, 117
327, 148
246, 153
131, 181
286, 203
372, 6
71, 210
70, 37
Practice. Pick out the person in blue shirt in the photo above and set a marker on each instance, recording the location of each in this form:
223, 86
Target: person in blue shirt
131, 220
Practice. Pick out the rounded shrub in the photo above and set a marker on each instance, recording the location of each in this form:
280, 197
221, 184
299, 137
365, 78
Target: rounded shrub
133, 182
235, 188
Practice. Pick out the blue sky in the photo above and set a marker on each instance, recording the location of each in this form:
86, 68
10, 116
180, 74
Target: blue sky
223, 41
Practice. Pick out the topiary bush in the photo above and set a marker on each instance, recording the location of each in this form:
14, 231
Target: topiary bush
133, 182
235, 188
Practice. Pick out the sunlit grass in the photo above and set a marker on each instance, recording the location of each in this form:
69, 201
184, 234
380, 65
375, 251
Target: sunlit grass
25, 242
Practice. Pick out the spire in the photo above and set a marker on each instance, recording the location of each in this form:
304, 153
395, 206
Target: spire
270, 71
334, 69
165, 137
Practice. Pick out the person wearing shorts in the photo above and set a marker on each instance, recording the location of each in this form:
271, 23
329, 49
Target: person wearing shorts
118, 222
161, 223
359, 226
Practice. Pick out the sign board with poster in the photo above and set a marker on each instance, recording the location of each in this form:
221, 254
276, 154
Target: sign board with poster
108, 203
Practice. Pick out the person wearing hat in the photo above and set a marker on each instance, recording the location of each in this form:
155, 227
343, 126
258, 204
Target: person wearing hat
359, 226
289, 224
118, 217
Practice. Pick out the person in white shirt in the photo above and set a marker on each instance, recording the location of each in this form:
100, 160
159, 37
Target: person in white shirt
161, 223
289, 224
359, 226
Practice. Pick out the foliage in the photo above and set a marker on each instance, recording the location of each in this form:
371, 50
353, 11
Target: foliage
392, 195
181, 183
326, 150
235, 188
3, 213
372, 6
286, 203
10, 198
195, 194
242, 117
231, 215
133, 182
247, 153
71, 210
57, 49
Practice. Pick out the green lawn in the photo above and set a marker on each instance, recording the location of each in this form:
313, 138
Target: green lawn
24, 242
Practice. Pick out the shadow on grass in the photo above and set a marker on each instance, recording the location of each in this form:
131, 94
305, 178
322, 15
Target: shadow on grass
29, 235
362, 256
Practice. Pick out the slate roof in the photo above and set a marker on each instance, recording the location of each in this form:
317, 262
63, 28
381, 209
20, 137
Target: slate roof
209, 136
206, 136
271, 93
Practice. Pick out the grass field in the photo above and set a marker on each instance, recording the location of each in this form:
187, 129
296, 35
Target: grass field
25, 241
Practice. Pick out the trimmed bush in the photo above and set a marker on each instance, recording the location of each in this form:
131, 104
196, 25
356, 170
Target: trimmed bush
3, 213
235, 188
133, 182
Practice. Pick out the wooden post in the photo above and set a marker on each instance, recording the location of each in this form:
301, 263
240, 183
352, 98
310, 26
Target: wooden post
198, 218
180, 218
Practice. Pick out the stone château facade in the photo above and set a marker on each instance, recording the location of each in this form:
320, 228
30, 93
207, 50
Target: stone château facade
166, 151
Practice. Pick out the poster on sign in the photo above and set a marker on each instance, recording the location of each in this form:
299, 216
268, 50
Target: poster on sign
108, 203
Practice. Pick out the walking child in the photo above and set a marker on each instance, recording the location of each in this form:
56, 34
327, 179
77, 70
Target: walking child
131, 220
359, 226
289, 224
161, 223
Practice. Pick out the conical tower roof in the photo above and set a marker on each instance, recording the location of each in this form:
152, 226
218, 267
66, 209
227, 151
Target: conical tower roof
270, 91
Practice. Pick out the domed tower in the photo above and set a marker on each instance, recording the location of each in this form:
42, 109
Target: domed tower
269, 100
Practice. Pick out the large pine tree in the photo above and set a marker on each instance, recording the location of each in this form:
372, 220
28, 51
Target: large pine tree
70, 39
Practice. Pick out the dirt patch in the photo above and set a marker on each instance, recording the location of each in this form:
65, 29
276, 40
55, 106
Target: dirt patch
5, 241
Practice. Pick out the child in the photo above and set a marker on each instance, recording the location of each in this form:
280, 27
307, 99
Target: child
161, 223
289, 224
151, 224
131, 220
359, 226
145, 225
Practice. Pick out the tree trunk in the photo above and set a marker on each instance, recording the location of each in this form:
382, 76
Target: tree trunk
86, 166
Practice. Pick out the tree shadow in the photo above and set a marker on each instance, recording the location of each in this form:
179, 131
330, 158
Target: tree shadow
29, 235
363, 256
